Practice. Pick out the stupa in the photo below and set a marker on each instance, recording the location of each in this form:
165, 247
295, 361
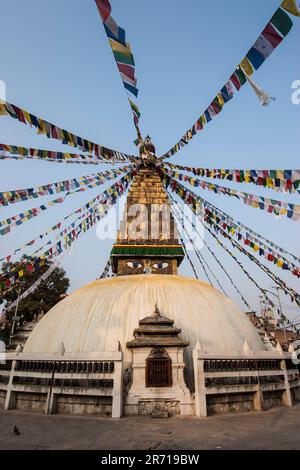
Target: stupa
147, 340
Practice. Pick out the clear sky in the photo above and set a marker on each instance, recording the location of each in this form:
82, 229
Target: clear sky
57, 63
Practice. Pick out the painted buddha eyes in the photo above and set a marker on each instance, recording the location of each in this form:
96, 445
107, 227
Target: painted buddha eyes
134, 265
137, 265
160, 265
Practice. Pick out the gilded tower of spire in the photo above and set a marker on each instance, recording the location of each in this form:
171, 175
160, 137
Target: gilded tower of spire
147, 241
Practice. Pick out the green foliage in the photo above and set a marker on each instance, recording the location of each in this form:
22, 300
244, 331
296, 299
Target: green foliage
49, 292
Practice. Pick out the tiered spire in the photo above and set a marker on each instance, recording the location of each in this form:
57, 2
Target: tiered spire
147, 240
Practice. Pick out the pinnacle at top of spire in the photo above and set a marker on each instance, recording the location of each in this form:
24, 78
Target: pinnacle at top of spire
147, 149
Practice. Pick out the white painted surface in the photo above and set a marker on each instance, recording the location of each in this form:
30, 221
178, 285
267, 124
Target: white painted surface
106, 311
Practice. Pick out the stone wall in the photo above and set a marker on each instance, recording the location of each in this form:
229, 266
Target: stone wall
68, 404
34, 402
77, 383
244, 382
272, 399
171, 407
230, 403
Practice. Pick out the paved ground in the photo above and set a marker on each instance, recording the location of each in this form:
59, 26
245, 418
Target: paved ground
275, 429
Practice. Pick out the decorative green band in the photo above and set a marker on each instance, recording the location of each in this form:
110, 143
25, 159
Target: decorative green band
171, 252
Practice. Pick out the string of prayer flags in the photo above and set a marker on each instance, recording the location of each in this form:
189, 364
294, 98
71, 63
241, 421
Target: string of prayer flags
272, 206
113, 31
87, 209
54, 132
20, 195
251, 278
255, 247
106, 271
64, 232
262, 241
192, 207
7, 224
57, 157
92, 209
192, 200
88, 206
109, 197
195, 200
33, 287
268, 246
211, 251
201, 259
295, 297
273, 34
123, 57
278, 180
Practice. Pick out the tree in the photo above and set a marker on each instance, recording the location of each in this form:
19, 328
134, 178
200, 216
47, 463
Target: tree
47, 294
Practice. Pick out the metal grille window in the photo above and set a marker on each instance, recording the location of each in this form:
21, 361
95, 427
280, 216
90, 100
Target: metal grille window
158, 370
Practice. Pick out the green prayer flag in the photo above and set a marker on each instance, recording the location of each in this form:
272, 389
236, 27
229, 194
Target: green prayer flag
282, 22
124, 59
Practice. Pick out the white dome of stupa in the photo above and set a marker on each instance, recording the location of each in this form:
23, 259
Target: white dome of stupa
101, 314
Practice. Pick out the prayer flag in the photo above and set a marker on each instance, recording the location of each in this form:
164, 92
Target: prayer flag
292, 6
104, 8
282, 22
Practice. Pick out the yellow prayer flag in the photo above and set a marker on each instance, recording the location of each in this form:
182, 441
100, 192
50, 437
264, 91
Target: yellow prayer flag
247, 66
256, 248
42, 126
280, 174
279, 263
3, 110
221, 100
27, 117
292, 6
118, 47
60, 133
21, 273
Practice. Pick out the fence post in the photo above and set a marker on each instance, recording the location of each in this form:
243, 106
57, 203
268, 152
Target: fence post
117, 399
10, 400
200, 390
286, 396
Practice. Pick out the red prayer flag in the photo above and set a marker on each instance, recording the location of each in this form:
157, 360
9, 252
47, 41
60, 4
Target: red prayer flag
128, 70
235, 81
104, 8
272, 35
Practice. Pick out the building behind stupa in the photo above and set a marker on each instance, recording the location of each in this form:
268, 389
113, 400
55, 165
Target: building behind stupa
147, 340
